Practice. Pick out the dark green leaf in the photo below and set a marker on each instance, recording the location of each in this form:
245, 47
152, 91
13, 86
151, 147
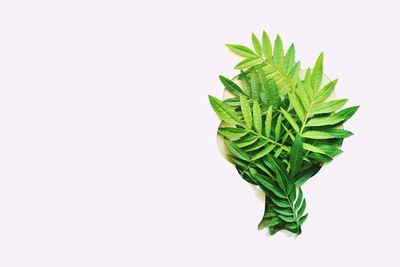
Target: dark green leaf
231, 86
296, 155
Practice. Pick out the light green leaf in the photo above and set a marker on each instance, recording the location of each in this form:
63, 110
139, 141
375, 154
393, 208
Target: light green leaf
317, 135
317, 73
237, 151
247, 63
241, 50
307, 84
245, 83
297, 106
255, 91
246, 110
293, 73
268, 122
256, 45
290, 119
313, 148
273, 94
246, 140
328, 107
263, 152
257, 117
289, 59
231, 86
263, 92
278, 52
322, 121
224, 111
303, 96
266, 46
232, 133
326, 91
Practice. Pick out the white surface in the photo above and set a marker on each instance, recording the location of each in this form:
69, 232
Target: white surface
107, 142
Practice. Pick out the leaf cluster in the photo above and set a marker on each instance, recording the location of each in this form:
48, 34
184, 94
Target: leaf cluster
280, 127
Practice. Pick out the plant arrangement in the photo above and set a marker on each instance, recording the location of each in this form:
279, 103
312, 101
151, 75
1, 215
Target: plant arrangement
280, 126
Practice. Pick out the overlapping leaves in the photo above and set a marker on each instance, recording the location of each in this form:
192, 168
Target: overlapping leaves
280, 127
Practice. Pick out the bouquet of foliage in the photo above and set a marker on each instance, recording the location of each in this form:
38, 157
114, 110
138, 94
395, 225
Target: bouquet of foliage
280, 126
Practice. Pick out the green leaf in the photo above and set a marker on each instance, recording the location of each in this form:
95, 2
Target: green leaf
273, 93
263, 152
280, 203
317, 135
339, 133
232, 133
241, 50
257, 145
265, 182
326, 91
317, 73
303, 96
256, 45
231, 86
347, 113
263, 91
302, 177
290, 119
289, 59
328, 107
313, 148
224, 111
302, 219
307, 84
297, 106
245, 83
246, 110
278, 127
287, 219
257, 117
255, 91
268, 122
237, 151
302, 208
246, 140
274, 221
248, 62
278, 52
322, 121
284, 212
299, 199
266, 46
296, 155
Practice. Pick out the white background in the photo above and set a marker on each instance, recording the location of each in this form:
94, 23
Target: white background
108, 151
